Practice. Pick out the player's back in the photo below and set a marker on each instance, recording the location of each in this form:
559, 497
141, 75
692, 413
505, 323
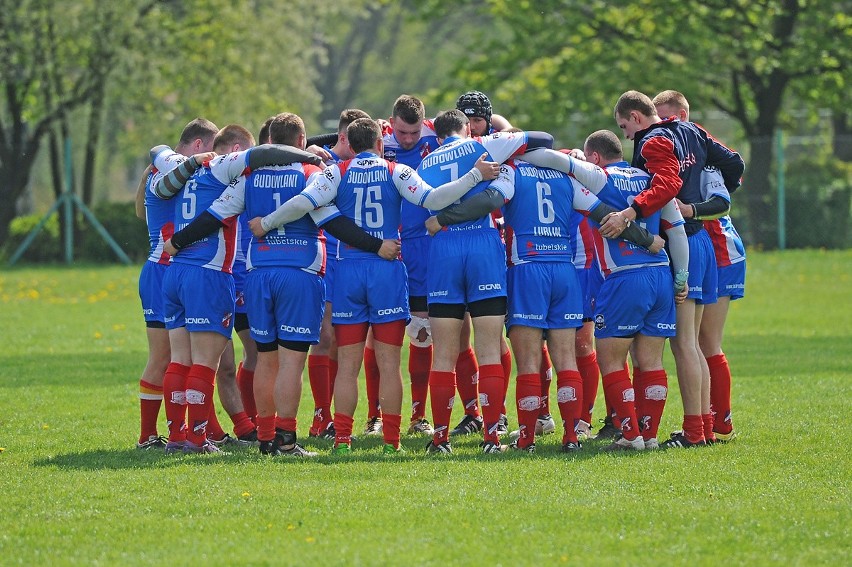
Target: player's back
217, 251
298, 244
624, 183
368, 195
539, 215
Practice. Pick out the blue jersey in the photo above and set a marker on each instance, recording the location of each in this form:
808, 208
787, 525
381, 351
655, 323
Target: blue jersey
617, 188
299, 244
413, 217
539, 216
217, 251
370, 191
160, 213
458, 156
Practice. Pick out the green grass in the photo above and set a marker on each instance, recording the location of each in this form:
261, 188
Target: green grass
74, 490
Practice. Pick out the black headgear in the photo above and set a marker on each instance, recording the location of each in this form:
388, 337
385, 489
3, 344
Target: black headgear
475, 103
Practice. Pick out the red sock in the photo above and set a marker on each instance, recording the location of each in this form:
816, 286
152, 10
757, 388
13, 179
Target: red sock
619, 391
589, 370
652, 389
342, 429
569, 398
442, 392
285, 423
318, 376
707, 422
390, 429
527, 392
693, 428
266, 428
506, 363
242, 424
371, 372
214, 428
150, 400
467, 382
491, 392
419, 364
245, 382
199, 403
546, 374
174, 396
720, 393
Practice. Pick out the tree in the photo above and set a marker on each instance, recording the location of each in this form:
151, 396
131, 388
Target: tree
53, 59
567, 57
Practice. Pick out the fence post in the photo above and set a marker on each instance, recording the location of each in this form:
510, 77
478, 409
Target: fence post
782, 212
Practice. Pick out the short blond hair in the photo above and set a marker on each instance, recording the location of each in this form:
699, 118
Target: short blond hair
673, 99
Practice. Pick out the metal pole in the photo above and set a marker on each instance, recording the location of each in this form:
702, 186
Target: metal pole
69, 205
782, 212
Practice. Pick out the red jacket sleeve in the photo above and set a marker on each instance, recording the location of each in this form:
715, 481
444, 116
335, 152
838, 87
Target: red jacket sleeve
664, 167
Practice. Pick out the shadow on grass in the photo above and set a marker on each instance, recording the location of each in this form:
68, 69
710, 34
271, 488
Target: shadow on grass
367, 451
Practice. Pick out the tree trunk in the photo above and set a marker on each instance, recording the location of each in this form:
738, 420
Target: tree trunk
761, 200
92, 139
15, 175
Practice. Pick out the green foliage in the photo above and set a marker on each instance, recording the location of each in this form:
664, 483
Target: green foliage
819, 195
76, 491
119, 220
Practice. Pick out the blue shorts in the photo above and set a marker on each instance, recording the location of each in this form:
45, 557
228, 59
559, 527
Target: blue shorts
544, 295
199, 299
732, 280
415, 254
239, 272
284, 303
374, 291
637, 300
151, 291
703, 279
328, 278
590, 284
466, 267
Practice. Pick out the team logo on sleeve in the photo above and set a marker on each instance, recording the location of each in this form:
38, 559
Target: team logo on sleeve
390, 155
226, 320
600, 323
425, 150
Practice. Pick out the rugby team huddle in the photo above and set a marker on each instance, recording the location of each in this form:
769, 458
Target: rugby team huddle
328, 251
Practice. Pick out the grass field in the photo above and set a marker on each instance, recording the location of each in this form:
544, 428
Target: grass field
75, 490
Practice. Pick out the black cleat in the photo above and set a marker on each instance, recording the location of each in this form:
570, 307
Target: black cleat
467, 425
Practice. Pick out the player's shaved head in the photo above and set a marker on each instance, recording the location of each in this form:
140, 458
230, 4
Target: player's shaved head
363, 134
230, 136
673, 99
286, 128
606, 144
450, 122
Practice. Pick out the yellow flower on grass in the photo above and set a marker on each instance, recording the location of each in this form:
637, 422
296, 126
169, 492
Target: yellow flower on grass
246, 494
290, 527
2, 449
45, 426
33, 294
98, 335
310, 539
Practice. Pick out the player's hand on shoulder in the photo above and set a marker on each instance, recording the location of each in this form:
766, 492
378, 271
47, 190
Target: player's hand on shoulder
433, 226
658, 244
321, 153
613, 225
257, 227
390, 249
203, 157
169, 248
488, 169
